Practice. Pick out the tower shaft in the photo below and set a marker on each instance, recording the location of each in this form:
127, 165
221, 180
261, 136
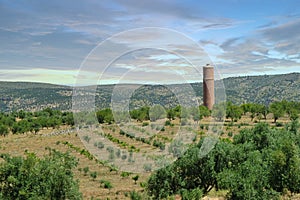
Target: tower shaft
208, 87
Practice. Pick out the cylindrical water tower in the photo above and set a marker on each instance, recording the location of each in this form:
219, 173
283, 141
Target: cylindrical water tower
208, 86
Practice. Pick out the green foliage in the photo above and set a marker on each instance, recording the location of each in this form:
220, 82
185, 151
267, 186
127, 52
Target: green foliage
176, 148
34, 122
171, 114
3, 130
135, 195
50, 177
86, 170
168, 123
234, 112
147, 167
195, 114
99, 145
159, 144
106, 184
204, 111
258, 89
219, 111
194, 194
145, 124
141, 114
105, 116
87, 138
260, 163
125, 174
157, 112
248, 180
135, 178
79, 150
277, 109
122, 143
94, 175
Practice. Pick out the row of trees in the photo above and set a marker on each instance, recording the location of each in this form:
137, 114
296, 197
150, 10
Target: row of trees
22, 122
277, 109
219, 112
260, 163
153, 113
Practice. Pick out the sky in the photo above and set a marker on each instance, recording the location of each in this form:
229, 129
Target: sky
110, 41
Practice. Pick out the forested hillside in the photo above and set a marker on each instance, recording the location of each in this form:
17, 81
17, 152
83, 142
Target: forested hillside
263, 89
255, 89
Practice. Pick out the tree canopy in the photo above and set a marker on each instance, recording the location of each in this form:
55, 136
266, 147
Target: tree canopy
260, 163
50, 177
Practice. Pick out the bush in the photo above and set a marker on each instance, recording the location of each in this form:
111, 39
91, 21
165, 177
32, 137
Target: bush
99, 145
4, 130
168, 123
135, 195
106, 184
122, 132
125, 174
86, 138
148, 167
135, 178
259, 163
118, 153
86, 170
124, 157
94, 175
145, 124
201, 126
50, 177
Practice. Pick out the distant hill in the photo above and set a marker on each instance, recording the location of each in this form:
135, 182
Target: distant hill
261, 89
34, 96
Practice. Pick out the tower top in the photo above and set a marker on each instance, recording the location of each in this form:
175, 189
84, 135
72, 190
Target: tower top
208, 66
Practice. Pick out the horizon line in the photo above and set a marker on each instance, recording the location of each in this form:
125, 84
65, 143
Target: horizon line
129, 83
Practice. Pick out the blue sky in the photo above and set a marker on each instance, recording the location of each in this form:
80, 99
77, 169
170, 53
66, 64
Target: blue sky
48, 41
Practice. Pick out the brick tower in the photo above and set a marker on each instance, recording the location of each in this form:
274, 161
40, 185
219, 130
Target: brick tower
208, 86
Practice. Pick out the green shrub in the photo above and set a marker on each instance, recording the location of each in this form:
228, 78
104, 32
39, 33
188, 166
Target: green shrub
147, 167
86, 138
145, 124
168, 123
135, 178
30, 177
105, 184
122, 132
94, 175
86, 170
125, 174
99, 145
135, 195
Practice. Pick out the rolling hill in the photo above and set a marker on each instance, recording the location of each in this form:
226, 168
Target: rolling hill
261, 89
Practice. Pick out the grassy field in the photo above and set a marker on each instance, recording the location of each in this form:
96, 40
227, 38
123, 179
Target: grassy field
108, 183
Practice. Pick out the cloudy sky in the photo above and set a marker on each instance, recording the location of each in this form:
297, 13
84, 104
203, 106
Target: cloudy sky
61, 41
